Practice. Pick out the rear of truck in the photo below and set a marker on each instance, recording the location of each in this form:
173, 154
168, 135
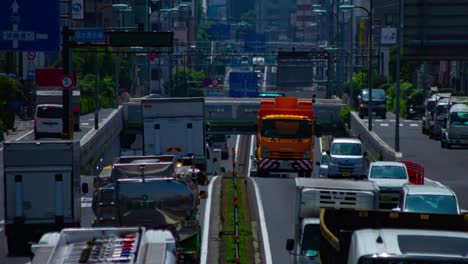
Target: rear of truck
176, 126
316, 193
337, 227
151, 191
42, 190
285, 136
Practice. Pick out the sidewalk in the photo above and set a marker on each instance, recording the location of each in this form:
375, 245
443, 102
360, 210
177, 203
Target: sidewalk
21, 128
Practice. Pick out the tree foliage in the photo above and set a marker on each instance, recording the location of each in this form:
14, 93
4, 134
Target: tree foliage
9, 92
187, 82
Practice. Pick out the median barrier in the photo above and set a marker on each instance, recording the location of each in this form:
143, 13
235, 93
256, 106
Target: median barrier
376, 148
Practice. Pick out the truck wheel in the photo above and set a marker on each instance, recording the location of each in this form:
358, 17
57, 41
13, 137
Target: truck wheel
447, 145
36, 136
442, 143
424, 132
17, 246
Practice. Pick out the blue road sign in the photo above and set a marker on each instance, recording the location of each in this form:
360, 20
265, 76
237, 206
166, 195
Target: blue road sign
220, 32
89, 35
243, 84
254, 42
27, 25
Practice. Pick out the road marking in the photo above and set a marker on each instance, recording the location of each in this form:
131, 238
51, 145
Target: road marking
206, 224
414, 125
392, 120
85, 124
384, 125
23, 136
263, 227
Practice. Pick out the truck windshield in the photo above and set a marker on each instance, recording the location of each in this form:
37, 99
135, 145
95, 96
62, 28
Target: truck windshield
354, 149
410, 260
287, 129
430, 106
428, 203
310, 238
376, 95
459, 118
148, 171
441, 109
388, 172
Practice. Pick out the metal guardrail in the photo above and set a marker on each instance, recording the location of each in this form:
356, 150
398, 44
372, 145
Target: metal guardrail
236, 209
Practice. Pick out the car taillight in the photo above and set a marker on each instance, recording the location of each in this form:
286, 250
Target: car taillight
35, 122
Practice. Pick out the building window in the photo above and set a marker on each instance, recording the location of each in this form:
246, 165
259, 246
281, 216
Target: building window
390, 19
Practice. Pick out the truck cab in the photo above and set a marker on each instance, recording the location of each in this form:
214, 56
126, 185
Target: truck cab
440, 117
347, 158
456, 130
379, 103
307, 248
390, 176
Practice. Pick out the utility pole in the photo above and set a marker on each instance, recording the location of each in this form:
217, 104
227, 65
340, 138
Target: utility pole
369, 74
397, 78
67, 126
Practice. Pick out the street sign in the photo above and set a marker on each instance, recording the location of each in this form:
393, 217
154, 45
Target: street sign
254, 42
141, 39
152, 56
77, 9
89, 35
27, 25
220, 32
215, 82
30, 55
66, 82
388, 36
243, 84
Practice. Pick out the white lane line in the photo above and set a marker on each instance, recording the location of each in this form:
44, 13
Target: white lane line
85, 124
2, 222
23, 136
86, 202
206, 224
237, 146
384, 125
414, 125
263, 226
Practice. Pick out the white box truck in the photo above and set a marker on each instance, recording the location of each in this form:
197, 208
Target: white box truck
315, 193
176, 126
42, 190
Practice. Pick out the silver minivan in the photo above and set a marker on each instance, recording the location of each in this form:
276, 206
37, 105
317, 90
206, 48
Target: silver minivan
48, 121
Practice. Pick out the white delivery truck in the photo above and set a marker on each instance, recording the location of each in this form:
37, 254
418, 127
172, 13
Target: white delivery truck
176, 126
106, 245
42, 190
312, 194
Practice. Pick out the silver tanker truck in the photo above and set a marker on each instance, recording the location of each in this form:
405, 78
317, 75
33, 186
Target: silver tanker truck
157, 192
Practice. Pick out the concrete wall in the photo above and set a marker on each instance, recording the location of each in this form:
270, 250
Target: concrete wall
96, 142
376, 148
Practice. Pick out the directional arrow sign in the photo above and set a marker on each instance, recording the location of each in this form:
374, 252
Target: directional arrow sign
27, 25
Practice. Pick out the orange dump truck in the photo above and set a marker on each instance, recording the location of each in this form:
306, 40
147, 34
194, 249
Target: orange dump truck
285, 136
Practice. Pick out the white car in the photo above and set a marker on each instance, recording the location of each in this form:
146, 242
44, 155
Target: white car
433, 199
323, 165
48, 121
390, 176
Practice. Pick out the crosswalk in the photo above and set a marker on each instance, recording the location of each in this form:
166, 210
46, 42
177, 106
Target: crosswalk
391, 122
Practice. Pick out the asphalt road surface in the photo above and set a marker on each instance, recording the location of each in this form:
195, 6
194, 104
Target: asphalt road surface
448, 166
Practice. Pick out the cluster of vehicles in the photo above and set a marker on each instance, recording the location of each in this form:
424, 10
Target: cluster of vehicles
353, 213
154, 198
446, 118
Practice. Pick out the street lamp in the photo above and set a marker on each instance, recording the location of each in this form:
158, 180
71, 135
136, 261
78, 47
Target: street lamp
96, 80
369, 74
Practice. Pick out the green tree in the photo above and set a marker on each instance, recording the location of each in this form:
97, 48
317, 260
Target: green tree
187, 82
407, 67
9, 92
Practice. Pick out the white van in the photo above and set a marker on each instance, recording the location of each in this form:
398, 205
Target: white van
48, 121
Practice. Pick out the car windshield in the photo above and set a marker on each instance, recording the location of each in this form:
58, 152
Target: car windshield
388, 172
310, 238
287, 129
324, 160
376, 94
441, 109
459, 118
354, 149
429, 203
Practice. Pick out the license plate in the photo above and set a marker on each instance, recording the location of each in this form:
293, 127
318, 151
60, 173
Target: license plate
284, 163
346, 173
386, 198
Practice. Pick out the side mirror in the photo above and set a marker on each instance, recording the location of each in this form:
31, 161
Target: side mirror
318, 131
364, 154
317, 163
290, 245
202, 195
202, 179
328, 152
396, 209
463, 211
84, 188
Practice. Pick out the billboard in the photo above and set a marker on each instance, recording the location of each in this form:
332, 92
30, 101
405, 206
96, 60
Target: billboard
243, 84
